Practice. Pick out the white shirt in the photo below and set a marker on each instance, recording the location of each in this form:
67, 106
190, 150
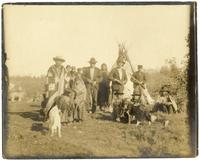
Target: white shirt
92, 73
120, 73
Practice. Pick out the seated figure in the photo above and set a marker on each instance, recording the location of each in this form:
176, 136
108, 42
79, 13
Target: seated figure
117, 106
165, 102
137, 111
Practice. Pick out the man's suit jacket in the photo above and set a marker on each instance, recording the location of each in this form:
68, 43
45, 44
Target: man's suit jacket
87, 77
114, 74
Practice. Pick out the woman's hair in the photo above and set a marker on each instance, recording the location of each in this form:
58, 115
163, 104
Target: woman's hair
103, 64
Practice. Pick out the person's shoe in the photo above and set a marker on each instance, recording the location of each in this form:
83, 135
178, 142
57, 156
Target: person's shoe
138, 123
118, 119
80, 121
102, 108
110, 109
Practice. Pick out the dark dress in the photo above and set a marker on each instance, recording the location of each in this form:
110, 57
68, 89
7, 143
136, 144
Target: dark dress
103, 92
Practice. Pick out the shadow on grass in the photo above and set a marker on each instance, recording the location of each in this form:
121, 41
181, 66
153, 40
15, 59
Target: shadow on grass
109, 117
38, 127
35, 115
104, 116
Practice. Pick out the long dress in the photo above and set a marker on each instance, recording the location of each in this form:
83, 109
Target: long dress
80, 99
103, 92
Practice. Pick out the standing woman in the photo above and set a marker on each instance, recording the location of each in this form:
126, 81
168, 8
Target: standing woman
103, 92
80, 98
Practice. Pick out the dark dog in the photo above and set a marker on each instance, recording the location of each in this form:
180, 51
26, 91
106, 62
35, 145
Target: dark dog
66, 105
122, 111
137, 112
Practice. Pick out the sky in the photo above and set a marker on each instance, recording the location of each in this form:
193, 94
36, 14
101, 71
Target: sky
35, 34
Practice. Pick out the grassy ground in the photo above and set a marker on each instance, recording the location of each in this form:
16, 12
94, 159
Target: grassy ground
98, 136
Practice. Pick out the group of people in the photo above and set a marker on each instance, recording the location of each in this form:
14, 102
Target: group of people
136, 110
80, 91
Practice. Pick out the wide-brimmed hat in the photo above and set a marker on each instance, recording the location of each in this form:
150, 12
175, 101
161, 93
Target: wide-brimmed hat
59, 58
92, 60
140, 66
118, 93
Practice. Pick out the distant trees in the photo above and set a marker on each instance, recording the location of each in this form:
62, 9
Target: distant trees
177, 78
170, 68
32, 85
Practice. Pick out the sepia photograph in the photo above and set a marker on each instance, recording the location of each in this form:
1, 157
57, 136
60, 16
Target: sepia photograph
99, 80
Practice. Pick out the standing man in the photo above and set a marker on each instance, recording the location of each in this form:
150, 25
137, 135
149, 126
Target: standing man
55, 82
91, 76
118, 77
139, 79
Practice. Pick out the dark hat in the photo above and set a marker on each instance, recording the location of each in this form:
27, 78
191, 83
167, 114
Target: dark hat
103, 64
59, 58
118, 93
140, 66
93, 61
165, 88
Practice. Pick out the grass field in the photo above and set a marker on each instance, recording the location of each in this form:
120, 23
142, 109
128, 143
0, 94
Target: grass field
98, 136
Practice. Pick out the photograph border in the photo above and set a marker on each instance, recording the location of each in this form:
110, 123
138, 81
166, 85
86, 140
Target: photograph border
192, 68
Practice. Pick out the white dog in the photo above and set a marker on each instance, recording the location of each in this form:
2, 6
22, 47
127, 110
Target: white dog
55, 121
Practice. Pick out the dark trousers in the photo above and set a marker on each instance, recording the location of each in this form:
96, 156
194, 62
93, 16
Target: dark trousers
92, 93
163, 108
